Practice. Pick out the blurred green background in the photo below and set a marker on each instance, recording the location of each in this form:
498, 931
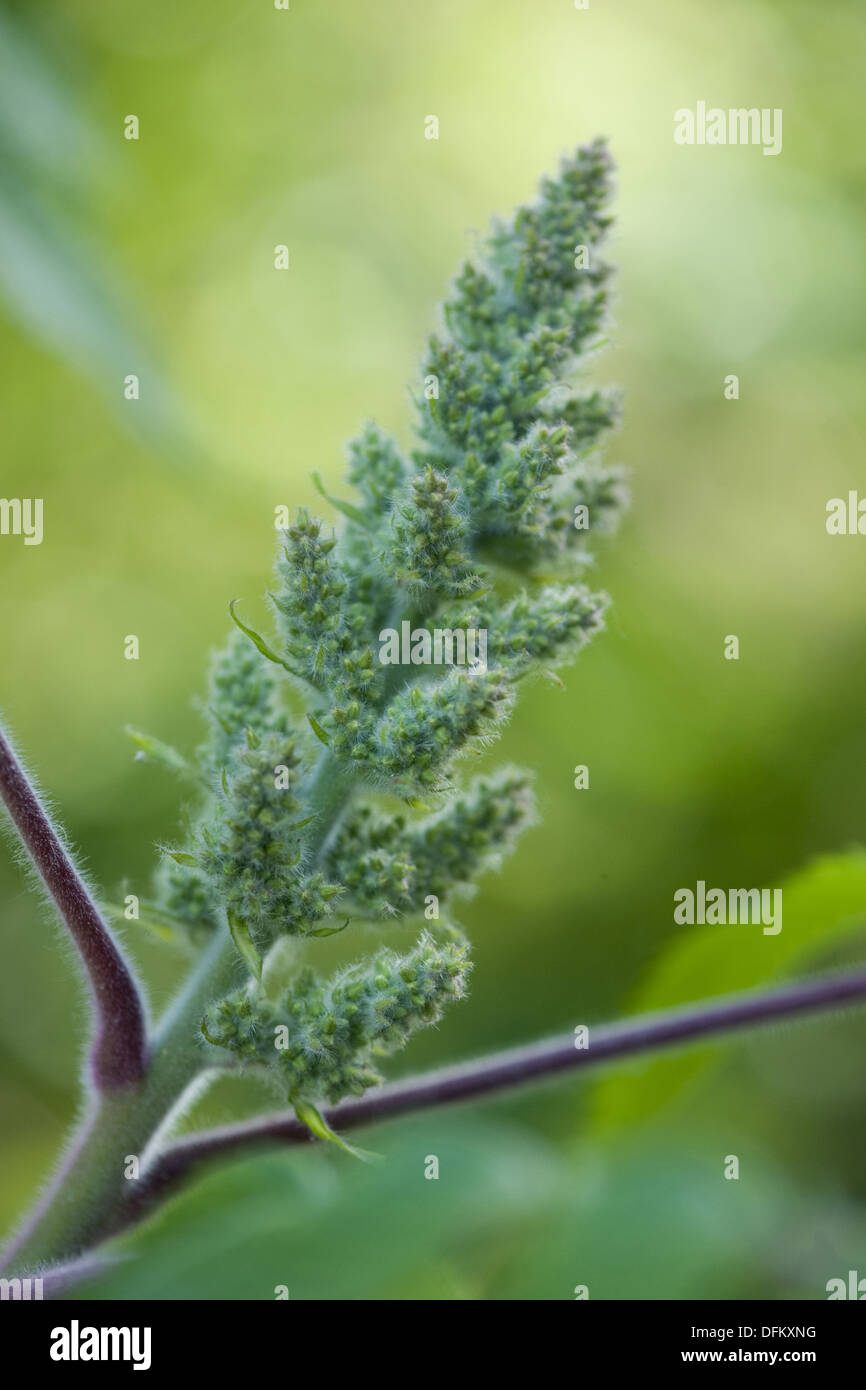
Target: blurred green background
155, 257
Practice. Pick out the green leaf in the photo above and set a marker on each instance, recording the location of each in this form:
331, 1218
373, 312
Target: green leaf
328, 931
244, 942
162, 924
258, 641
181, 857
821, 906
318, 730
653, 1221
285, 1217
553, 677
160, 752
60, 278
214, 1042
316, 1124
353, 513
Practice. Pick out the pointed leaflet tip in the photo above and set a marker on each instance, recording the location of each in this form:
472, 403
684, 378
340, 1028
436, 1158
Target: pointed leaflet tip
328, 931
318, 730
244, 942
180, 856
157, 750
353, 513
317, 1125
258, 641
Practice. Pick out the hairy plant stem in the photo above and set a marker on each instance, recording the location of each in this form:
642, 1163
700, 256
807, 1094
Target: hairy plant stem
89, 1187
118, 1055
90, 1193
504, 1071
91, 1198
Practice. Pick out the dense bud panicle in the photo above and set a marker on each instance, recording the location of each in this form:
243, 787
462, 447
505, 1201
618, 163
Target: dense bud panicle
308, 599
450, 850
322, 1038
390, 865
252, 849
425, 726
516, 326
188, 895
377, 469
427, 550
505, 475
544, 629
243, 694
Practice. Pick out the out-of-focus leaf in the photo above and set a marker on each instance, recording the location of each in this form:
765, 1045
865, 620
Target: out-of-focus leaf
505, 1219
56, 275
160, 752
821, 905
40, 120
331, 1229
657, 1222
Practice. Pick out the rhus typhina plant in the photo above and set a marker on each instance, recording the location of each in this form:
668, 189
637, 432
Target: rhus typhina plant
334, 781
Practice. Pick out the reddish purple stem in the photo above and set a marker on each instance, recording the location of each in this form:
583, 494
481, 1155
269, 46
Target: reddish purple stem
487, 1075
119, 1052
